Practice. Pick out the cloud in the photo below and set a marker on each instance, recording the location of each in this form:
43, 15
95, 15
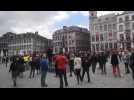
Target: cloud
30, 21
84, 26
42, 21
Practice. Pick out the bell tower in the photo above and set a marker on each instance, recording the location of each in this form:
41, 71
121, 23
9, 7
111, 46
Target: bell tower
92, 15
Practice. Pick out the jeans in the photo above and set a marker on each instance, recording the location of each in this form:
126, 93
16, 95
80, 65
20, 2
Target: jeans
103, 68
94, 67
78, 75
62, 74
14, 77
43, 78
127, 68
132, 68
88, 76
71, 70
32, 72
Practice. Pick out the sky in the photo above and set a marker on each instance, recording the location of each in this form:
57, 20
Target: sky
45, 22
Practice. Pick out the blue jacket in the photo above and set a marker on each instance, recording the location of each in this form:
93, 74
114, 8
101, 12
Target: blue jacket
44, 64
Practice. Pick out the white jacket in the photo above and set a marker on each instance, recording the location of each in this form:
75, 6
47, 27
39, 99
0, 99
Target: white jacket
77, 63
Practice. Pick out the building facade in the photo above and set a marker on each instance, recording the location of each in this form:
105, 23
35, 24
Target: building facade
24, 43
125, 28
103, 31
4, 41
72, 39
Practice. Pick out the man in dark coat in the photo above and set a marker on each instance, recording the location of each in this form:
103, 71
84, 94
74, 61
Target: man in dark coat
132, 64
102, 62
94, 61
14, 69
86, 63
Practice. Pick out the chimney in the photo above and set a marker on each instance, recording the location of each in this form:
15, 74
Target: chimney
36, 32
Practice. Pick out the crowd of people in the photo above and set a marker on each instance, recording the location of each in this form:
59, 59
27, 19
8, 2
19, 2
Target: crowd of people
78, 64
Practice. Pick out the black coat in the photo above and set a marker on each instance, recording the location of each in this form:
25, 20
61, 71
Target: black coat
86, 63
114, 59
102, 59
14, 66
132, 61
94, 59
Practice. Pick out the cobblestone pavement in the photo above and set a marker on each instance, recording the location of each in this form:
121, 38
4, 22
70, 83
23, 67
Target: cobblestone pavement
97, 81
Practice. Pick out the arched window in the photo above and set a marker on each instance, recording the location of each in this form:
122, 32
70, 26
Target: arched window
132, 17
127, 18
132, 26
120, 20
120, 28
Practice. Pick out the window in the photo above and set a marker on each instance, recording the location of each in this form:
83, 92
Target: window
106, 19
102, 47
93, 38
109, 27
105, 27
93, 46
127, 18
115, 35
97, 47
128, 37
100, 27
132, 26
110, 45
121, 37
114, 26
127, 25
97, 37
132, 17
133, 35
120, 28
120, 20
115, 45
106, 45
96, 28
101, 37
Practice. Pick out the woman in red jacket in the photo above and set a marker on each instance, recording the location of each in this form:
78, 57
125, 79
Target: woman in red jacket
61, 61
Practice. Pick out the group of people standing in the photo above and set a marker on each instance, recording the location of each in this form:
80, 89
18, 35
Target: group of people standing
20, 64
78, 65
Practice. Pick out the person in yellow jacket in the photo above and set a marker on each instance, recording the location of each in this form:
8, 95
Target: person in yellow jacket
26, 60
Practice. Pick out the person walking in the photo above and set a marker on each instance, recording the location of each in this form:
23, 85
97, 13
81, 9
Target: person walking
21, 66
37, 62
77, 67
126, 58
131, 63
14, 69
86, 63
94, 61
102, 62
62, 62
71, 64
115, 63
33, 66
55, 65
44, 68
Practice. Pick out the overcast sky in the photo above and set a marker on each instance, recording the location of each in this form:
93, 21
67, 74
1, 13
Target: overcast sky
45, 22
